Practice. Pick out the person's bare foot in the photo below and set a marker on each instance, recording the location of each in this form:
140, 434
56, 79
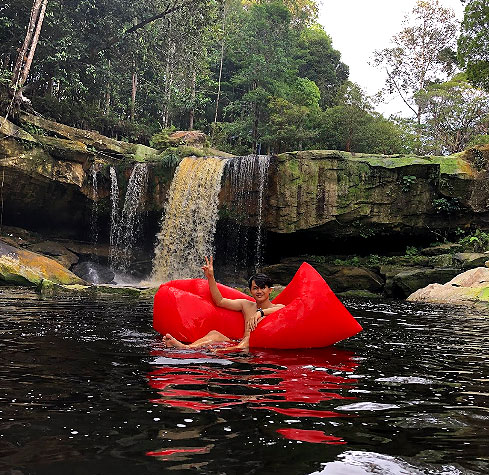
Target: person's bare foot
243, 345
172, 342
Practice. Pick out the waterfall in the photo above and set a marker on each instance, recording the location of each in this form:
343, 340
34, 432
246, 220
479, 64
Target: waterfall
263, 163
94, 214
248, 179
126, 228
189, 224
114, 215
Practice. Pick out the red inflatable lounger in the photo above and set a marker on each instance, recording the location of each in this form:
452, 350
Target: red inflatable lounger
313, 317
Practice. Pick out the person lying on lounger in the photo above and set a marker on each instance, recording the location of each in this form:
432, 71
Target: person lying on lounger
253, 312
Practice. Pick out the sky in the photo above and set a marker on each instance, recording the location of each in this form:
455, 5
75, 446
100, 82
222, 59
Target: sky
358, 27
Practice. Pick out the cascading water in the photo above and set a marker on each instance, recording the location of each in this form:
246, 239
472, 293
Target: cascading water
189, 224
124, 232
94, 214
248, 178
114, 215
263, 164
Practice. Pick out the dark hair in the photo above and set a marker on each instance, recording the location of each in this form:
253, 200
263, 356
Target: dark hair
261, 280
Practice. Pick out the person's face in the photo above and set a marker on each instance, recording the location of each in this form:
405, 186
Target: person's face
260, 294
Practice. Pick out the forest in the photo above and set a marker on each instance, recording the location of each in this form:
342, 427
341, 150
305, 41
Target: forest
255, 76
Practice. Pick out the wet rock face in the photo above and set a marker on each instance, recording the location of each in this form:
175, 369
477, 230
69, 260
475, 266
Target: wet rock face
336, 193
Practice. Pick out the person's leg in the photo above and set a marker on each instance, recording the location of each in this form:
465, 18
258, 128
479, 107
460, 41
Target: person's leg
212, 337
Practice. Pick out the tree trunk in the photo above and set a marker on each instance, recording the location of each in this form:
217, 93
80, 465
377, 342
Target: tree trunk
22, 56
26, 54
254, 130
133, 94
168, 84
35, 40
192, 110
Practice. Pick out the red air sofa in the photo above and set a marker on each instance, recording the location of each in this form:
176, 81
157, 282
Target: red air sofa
313, 317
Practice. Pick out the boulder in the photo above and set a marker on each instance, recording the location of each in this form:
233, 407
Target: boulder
355, 278
88, 249
339, 278
22, 267
7, 129
472, 278
443, 260
50, 289
447, 248
56, 251
192, 138
468, 288
406, 282
469, 260
358, 294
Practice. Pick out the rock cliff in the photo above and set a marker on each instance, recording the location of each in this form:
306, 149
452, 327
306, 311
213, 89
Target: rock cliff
46, 185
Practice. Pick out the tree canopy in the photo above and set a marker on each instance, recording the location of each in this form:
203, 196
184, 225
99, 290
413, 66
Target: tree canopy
257, 76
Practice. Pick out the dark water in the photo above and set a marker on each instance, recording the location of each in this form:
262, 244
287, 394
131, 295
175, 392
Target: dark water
86, 388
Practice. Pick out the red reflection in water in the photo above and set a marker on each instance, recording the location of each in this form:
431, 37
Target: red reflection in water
314, 436
276, 377
291, 383
168, 452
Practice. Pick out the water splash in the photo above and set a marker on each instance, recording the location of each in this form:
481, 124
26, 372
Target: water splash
126, 232
189, 225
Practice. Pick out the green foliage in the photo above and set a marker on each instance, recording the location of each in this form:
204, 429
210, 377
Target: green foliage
446, 206
161, 140
407, 181
480, 139
477, 242
353, 261
412, 251
282, 86
473, 43
454, 113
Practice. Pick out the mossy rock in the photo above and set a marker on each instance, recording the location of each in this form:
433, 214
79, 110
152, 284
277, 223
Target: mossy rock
63, 149
362, 294
51, 289
7, 129
22, 267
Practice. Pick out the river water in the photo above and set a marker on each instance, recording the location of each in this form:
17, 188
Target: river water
87, 388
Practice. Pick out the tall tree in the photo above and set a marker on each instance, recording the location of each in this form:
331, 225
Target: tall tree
473, 43
454, 113
321, 63
418, 54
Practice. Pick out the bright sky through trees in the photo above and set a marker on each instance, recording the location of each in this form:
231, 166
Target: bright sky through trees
358, 27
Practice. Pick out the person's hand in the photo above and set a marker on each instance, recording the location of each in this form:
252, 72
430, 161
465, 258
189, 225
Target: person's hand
208, 268
253, 321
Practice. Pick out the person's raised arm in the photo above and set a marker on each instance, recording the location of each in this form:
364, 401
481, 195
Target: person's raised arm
219, 300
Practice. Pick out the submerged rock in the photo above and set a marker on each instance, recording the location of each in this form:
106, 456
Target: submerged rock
22, 267
51, 289
469, 288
